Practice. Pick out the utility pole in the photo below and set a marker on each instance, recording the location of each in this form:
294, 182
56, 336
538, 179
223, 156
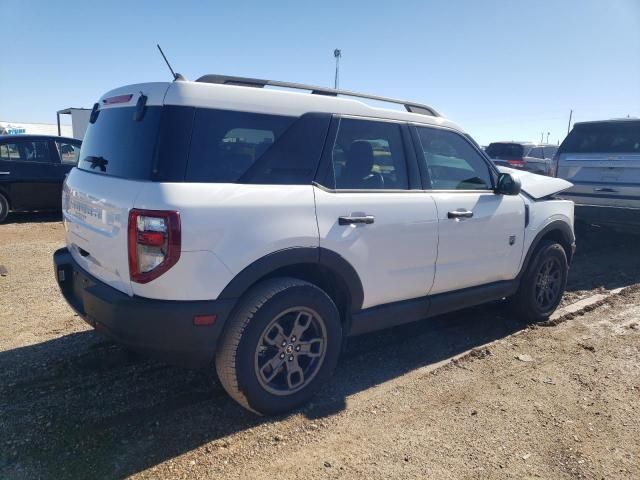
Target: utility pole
548, 133
337, 53
570, 116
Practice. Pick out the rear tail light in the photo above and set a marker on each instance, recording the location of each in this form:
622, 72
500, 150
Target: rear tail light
154, 243
516, 163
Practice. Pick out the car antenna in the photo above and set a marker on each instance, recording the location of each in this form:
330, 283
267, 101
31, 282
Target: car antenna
176, 76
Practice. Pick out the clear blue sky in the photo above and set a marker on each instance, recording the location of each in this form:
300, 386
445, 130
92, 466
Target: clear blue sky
501, 69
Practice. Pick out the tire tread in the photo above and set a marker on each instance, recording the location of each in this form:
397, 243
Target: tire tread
254, 299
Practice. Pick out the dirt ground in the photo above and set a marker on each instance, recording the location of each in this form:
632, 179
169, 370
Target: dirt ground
528, 402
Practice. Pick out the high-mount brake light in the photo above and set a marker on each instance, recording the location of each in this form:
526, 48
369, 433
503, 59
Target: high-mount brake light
117, 99
154, 243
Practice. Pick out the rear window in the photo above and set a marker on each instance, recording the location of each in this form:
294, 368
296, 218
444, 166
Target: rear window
610, 137
505, 151
117, 145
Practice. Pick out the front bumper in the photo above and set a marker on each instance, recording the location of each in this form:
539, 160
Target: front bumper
163, 329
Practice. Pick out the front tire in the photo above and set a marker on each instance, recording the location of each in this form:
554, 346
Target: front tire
4, 208
543, 283
280, 346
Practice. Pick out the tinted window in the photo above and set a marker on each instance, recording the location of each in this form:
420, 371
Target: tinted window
505, 151
452, 163
369, 155
118, 145
8, 152
535, 152
611, 137
226, 144
549, 152
69, 152
26, 150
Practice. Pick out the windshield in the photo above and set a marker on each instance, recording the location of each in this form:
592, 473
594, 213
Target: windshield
606, 137
505, 151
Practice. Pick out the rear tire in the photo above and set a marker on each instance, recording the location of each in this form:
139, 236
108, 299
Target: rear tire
4, 208
280, 346
543, 283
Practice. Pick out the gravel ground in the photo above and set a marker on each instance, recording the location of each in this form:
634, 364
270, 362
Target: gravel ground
528, 402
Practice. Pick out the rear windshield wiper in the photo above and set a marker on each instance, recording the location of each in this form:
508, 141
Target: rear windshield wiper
97, 162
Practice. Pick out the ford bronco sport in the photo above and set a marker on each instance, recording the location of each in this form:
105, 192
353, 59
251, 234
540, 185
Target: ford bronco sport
233, 223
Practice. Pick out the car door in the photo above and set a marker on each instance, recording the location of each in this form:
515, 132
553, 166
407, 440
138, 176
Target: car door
35, 182
534, 161
481, 233
10, 167
372, 211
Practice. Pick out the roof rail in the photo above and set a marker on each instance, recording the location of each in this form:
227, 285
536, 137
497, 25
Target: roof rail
258, 83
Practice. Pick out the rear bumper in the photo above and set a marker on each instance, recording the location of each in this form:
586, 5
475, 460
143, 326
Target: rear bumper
619, 217
160, 328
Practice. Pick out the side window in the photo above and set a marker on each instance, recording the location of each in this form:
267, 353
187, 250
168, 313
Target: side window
69, 153
452, 163
29, 151
535, 152
549, 152
6, 151
225, 144
369, 155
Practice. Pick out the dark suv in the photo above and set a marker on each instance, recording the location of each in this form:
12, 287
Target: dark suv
535, 158
32, 169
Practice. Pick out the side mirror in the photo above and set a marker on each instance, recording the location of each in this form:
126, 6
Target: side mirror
508, 185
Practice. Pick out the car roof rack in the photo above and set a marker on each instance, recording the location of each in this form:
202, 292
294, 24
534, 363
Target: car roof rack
259, 83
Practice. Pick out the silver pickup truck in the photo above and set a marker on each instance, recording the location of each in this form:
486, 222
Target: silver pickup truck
602, 160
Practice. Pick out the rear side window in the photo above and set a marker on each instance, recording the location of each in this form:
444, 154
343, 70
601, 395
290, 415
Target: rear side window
118, 145
505, 151
549, 152
452, 163
369, 155
535, 152
226, 144
69, 152
610, 137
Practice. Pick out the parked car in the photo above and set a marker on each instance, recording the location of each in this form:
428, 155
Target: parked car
217, 222
532, 157
602, 160
32, 169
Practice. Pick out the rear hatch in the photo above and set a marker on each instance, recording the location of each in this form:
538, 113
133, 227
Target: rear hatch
119, 155
602, 160
507, 154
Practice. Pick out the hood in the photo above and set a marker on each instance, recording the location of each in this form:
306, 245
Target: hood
538, 186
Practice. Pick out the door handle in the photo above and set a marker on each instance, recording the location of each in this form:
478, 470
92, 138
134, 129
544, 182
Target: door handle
5, 173
605, 189
460, 213
363, 220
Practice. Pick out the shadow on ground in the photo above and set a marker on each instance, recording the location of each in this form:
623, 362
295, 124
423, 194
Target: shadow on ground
33, 217
80, 406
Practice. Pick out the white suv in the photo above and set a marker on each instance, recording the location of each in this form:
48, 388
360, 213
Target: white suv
226, 221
